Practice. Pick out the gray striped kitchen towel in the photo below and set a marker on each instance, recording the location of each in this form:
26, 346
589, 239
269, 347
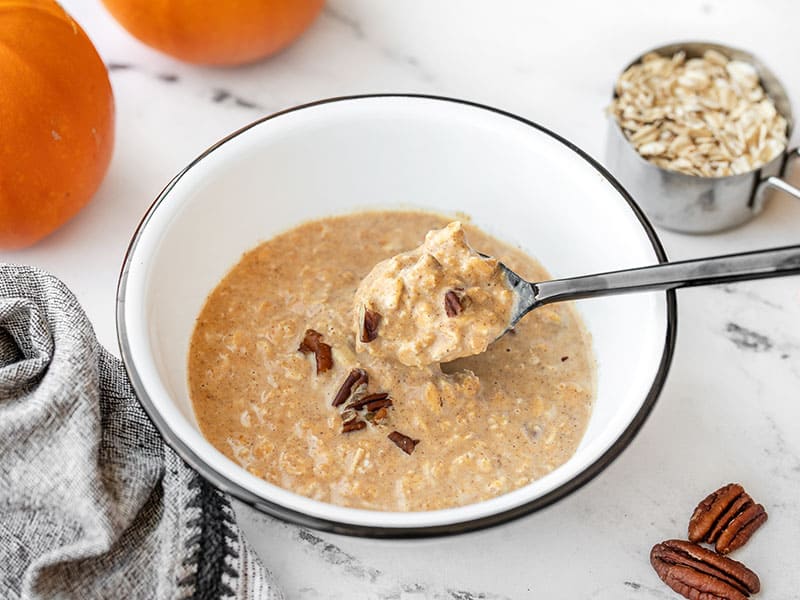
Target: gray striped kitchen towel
93, 504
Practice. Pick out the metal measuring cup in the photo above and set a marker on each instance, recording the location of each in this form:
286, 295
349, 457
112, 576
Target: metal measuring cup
693, 203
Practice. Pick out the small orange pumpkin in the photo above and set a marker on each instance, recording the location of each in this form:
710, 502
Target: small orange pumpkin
215, 32
57, 120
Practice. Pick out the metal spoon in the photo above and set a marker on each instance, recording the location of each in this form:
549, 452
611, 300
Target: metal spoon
760, 264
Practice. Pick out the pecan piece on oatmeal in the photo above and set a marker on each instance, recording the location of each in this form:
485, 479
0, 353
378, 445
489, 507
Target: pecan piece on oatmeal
379, 404
698, 573
380, 414
405, 443
353, 425
727, 517
312, 342
452, 304
355, 379
364, 400
369, 325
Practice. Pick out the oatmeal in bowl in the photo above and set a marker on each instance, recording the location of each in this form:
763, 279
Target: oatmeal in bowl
240, 328
379, 415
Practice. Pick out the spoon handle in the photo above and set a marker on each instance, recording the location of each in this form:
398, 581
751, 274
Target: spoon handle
760, 264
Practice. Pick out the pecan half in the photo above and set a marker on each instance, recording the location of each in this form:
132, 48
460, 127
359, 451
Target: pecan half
312, 342
452, 304
727, 518
405, 443
701, 574
369, 325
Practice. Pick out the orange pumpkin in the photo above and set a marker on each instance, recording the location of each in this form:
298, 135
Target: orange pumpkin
215, 32
56, 120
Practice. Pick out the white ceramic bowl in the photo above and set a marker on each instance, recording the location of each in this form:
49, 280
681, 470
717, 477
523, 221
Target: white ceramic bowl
516, 180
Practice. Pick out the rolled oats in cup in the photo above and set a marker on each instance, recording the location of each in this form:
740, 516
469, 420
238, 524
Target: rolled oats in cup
697, 133
706, 116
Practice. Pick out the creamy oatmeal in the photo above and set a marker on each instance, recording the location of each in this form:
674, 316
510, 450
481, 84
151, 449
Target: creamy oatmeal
438, 302
281, 386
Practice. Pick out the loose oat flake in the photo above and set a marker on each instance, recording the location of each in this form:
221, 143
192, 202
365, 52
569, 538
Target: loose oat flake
704, 116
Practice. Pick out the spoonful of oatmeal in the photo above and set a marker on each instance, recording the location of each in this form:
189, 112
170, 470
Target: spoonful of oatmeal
443, 300
438, 302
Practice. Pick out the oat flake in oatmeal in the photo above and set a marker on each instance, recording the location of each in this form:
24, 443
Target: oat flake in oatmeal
419, 437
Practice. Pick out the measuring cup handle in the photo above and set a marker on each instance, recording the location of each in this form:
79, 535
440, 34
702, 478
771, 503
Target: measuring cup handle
791, 156
777, 183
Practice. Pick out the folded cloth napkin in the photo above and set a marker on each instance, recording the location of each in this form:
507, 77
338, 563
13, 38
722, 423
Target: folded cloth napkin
93, 504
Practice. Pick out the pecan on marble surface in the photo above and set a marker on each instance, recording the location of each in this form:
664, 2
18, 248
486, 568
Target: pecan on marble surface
727, 518
701, 574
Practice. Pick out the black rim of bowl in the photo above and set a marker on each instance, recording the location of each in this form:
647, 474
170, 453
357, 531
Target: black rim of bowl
223, 483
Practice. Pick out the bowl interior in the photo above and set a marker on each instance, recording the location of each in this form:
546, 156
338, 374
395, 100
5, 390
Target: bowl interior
515, 181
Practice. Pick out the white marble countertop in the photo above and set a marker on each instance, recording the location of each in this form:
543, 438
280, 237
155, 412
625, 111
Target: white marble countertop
730, 410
